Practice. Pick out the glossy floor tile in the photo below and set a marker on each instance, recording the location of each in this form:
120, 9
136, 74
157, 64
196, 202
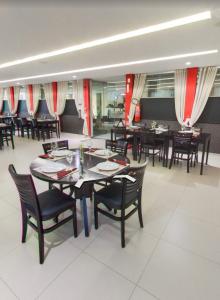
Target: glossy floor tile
176, 256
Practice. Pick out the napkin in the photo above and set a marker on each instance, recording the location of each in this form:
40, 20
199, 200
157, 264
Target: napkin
64, 173
44, 156
118, 161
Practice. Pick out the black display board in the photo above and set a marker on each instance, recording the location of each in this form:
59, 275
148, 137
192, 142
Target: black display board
69, 120
158, 109
70, 108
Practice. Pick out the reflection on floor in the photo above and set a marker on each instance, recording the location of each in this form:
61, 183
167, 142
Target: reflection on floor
175, 257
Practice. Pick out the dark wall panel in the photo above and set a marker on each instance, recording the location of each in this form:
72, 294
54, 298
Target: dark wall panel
5, 108
158, 109
70, 120
42, 108
211, 113
22, 108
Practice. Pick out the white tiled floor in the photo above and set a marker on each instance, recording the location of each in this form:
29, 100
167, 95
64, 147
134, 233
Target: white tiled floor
176, 256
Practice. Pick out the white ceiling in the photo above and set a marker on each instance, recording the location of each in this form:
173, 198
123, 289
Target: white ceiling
27, 30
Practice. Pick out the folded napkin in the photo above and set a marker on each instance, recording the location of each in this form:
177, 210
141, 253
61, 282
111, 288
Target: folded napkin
92, 149
118, 161
64, 173
44, 156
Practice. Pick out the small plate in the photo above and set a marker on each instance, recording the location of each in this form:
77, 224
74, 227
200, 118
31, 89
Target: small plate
52, 169
108, 166
103, 152
59, 153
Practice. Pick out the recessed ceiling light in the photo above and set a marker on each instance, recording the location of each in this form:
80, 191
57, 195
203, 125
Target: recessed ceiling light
114, 38
74, 76
123, 64
188, 63
17, 83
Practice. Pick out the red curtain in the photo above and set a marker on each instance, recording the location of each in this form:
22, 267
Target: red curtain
137, 116
30, 92
191, 82
86, 96
54, 90
12, 98
128, 94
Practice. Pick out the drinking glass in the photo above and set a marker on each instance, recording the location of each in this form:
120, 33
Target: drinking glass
69, 158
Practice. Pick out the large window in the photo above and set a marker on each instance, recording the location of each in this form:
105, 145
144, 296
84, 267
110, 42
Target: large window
215, 92
159, 86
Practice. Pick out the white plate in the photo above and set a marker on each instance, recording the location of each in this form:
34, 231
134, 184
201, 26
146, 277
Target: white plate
134, 127
103, 152
59, 153
52, 169
107, 166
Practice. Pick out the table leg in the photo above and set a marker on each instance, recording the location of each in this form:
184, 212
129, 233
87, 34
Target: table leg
135, 147
85, 215
207, 152
203, 157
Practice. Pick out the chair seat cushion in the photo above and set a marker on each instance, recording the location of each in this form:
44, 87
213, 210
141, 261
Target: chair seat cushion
111, 196
53, 202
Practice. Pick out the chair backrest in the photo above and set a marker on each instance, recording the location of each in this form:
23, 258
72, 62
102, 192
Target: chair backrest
26, 190
121, 147
119, 133
148, 138
132, 189
60, 144
182, 140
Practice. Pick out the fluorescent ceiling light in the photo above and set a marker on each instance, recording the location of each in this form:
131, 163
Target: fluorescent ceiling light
114, 38
118, 65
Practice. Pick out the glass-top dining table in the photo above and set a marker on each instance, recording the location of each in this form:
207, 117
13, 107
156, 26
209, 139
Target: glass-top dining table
73, 176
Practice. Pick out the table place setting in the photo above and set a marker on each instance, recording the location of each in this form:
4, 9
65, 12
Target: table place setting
56, 172
56, 155
108, 168
105, 153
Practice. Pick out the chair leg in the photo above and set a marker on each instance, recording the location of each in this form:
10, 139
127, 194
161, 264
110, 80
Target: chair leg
140, 212
122, 228
188, 159
24, 227
171, 161
41, 244
96, 215
75, 220
153, 157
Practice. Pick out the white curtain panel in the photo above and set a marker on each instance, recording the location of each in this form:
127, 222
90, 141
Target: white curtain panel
16, 98
7, 97
49, 97
78, 96
139, 83
204, 86
36, 96
1, 98
27, 97
62, 91
180, 94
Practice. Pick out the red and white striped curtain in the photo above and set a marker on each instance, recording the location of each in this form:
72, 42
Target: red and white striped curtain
192, 89
49, 98
29, 98
87, 130
62, 91
13, 97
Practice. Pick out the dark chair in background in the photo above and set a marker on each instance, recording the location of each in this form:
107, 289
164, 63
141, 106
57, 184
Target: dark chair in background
120, 195
47, 147
7, 135
42, 207
150, 146
182, 149
119, 146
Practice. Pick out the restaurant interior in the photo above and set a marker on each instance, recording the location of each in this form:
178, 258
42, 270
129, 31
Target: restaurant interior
110, 150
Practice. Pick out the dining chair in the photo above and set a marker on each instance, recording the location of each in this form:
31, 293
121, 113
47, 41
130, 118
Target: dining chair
120, 195
118, 146
7, 135
41, 207
182, 149
150, 146
47, 147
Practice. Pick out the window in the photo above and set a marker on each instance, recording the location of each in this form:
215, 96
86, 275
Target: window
215, 92
22, 95
159, 86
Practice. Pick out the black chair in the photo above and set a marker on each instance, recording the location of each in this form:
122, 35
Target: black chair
118, 146
182, 149
120, 195
7, 135
47, 147
23, 126
42, 207
150, 146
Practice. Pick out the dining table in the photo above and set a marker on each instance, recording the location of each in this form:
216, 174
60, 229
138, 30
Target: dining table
203, 139
84, 171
